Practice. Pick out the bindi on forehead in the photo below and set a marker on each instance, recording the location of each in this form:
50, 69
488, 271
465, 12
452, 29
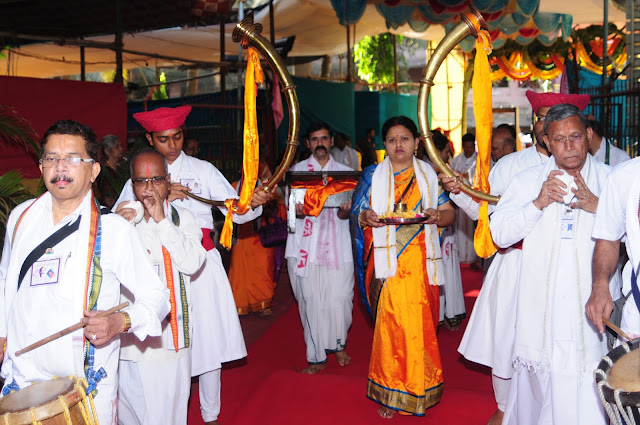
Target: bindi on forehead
148, 171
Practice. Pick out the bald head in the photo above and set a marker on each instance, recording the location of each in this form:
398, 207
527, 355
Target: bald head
502, 142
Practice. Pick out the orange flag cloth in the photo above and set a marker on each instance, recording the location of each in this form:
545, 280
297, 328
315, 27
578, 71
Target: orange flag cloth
482, 109
317, 193
251, 153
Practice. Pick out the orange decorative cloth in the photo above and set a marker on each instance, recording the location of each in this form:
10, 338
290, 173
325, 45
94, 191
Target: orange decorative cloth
482, 109
405, 370
251, 153
318, 192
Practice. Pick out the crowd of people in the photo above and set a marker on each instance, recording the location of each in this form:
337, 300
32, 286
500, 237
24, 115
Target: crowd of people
537, 322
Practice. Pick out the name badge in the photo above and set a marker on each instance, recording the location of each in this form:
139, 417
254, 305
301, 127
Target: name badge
157, 267
45, 272
566, 225
192, 184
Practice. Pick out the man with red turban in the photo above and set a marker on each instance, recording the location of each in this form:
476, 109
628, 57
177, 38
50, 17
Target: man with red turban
490, 334
217, 336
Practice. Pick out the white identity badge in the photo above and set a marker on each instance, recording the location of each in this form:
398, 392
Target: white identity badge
193, 184
566, 226
45, 272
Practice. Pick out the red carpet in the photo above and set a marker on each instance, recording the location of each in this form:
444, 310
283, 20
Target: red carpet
268, 389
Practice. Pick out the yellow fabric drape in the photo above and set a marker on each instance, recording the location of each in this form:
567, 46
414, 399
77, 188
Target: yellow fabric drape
482, 105
251, 153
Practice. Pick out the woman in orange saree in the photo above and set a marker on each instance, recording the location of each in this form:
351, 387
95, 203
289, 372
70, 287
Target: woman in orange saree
398, 269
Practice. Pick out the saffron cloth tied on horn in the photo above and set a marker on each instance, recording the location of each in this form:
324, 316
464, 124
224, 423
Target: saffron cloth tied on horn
482, 109
251, 152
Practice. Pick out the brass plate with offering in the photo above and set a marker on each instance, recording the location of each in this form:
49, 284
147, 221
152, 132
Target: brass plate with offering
405, 217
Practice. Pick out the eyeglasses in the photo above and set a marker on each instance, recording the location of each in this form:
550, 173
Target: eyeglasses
73, 161
157, 180
540, 117
574, 138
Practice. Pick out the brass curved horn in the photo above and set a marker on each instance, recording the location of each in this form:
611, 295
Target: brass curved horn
247, 33
470, 24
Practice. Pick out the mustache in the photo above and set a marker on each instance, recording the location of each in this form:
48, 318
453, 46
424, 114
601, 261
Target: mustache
320, 147
61, 177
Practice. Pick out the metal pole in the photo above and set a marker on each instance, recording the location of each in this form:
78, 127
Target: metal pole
605, 48
82, 65
272, 29
349, 57
118, 78
223, 81
395, 64
240, 92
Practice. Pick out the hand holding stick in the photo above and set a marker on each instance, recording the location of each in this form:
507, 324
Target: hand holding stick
68, 330
616, 329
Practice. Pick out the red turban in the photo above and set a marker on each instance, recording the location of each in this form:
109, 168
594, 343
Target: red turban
540, 100
162, 119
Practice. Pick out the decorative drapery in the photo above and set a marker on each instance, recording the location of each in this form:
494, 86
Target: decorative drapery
506, 19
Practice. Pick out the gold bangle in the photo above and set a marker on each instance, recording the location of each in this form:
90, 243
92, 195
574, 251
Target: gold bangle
127, 321
362, 223
437, 217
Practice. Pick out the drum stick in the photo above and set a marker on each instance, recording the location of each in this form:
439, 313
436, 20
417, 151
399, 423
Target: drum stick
68, 330
616, 329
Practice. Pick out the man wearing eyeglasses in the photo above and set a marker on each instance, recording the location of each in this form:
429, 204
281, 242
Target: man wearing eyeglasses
84, 257
551, 209
489, 336
219, 339
155, 374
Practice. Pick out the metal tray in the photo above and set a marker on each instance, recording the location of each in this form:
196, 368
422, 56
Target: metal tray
402, 220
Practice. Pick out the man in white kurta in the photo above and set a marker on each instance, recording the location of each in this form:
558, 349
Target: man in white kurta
616, 218
320, 263
489, 336
155, 374
343, 153
602, 149
219, 338
465, 226
551, 208
61, 285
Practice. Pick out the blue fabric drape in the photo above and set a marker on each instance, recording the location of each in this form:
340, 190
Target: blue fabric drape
349, 11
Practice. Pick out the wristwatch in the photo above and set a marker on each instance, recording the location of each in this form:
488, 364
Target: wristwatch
127, 321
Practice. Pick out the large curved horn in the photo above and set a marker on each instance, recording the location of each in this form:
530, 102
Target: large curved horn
470, 24
247, 33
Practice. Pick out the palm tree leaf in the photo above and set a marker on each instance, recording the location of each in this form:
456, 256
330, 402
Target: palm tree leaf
17, 131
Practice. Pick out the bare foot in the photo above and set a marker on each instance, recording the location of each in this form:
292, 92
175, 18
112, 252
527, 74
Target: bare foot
496, 418
314, 368
265, 312
386, 413
211, 423
343, 358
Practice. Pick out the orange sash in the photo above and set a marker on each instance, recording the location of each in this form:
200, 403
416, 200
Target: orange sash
317, 193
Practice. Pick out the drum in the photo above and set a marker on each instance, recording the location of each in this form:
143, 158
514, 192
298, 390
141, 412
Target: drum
618, 383
60, 401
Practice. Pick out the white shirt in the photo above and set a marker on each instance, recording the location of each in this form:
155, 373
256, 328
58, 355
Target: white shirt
610, 222
462, 164
616, 155
347, 156
187, 256
37, 311
205, 181
500, 176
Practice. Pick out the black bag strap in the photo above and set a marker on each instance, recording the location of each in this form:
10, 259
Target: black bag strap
634, 289
50, 242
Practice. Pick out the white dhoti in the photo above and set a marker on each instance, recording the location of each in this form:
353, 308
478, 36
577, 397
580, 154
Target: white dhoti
465, 229
490, 333
325, 301
154, 392
217, 335
451, 293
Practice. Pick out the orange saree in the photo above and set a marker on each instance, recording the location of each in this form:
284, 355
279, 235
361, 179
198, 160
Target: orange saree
405, 371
